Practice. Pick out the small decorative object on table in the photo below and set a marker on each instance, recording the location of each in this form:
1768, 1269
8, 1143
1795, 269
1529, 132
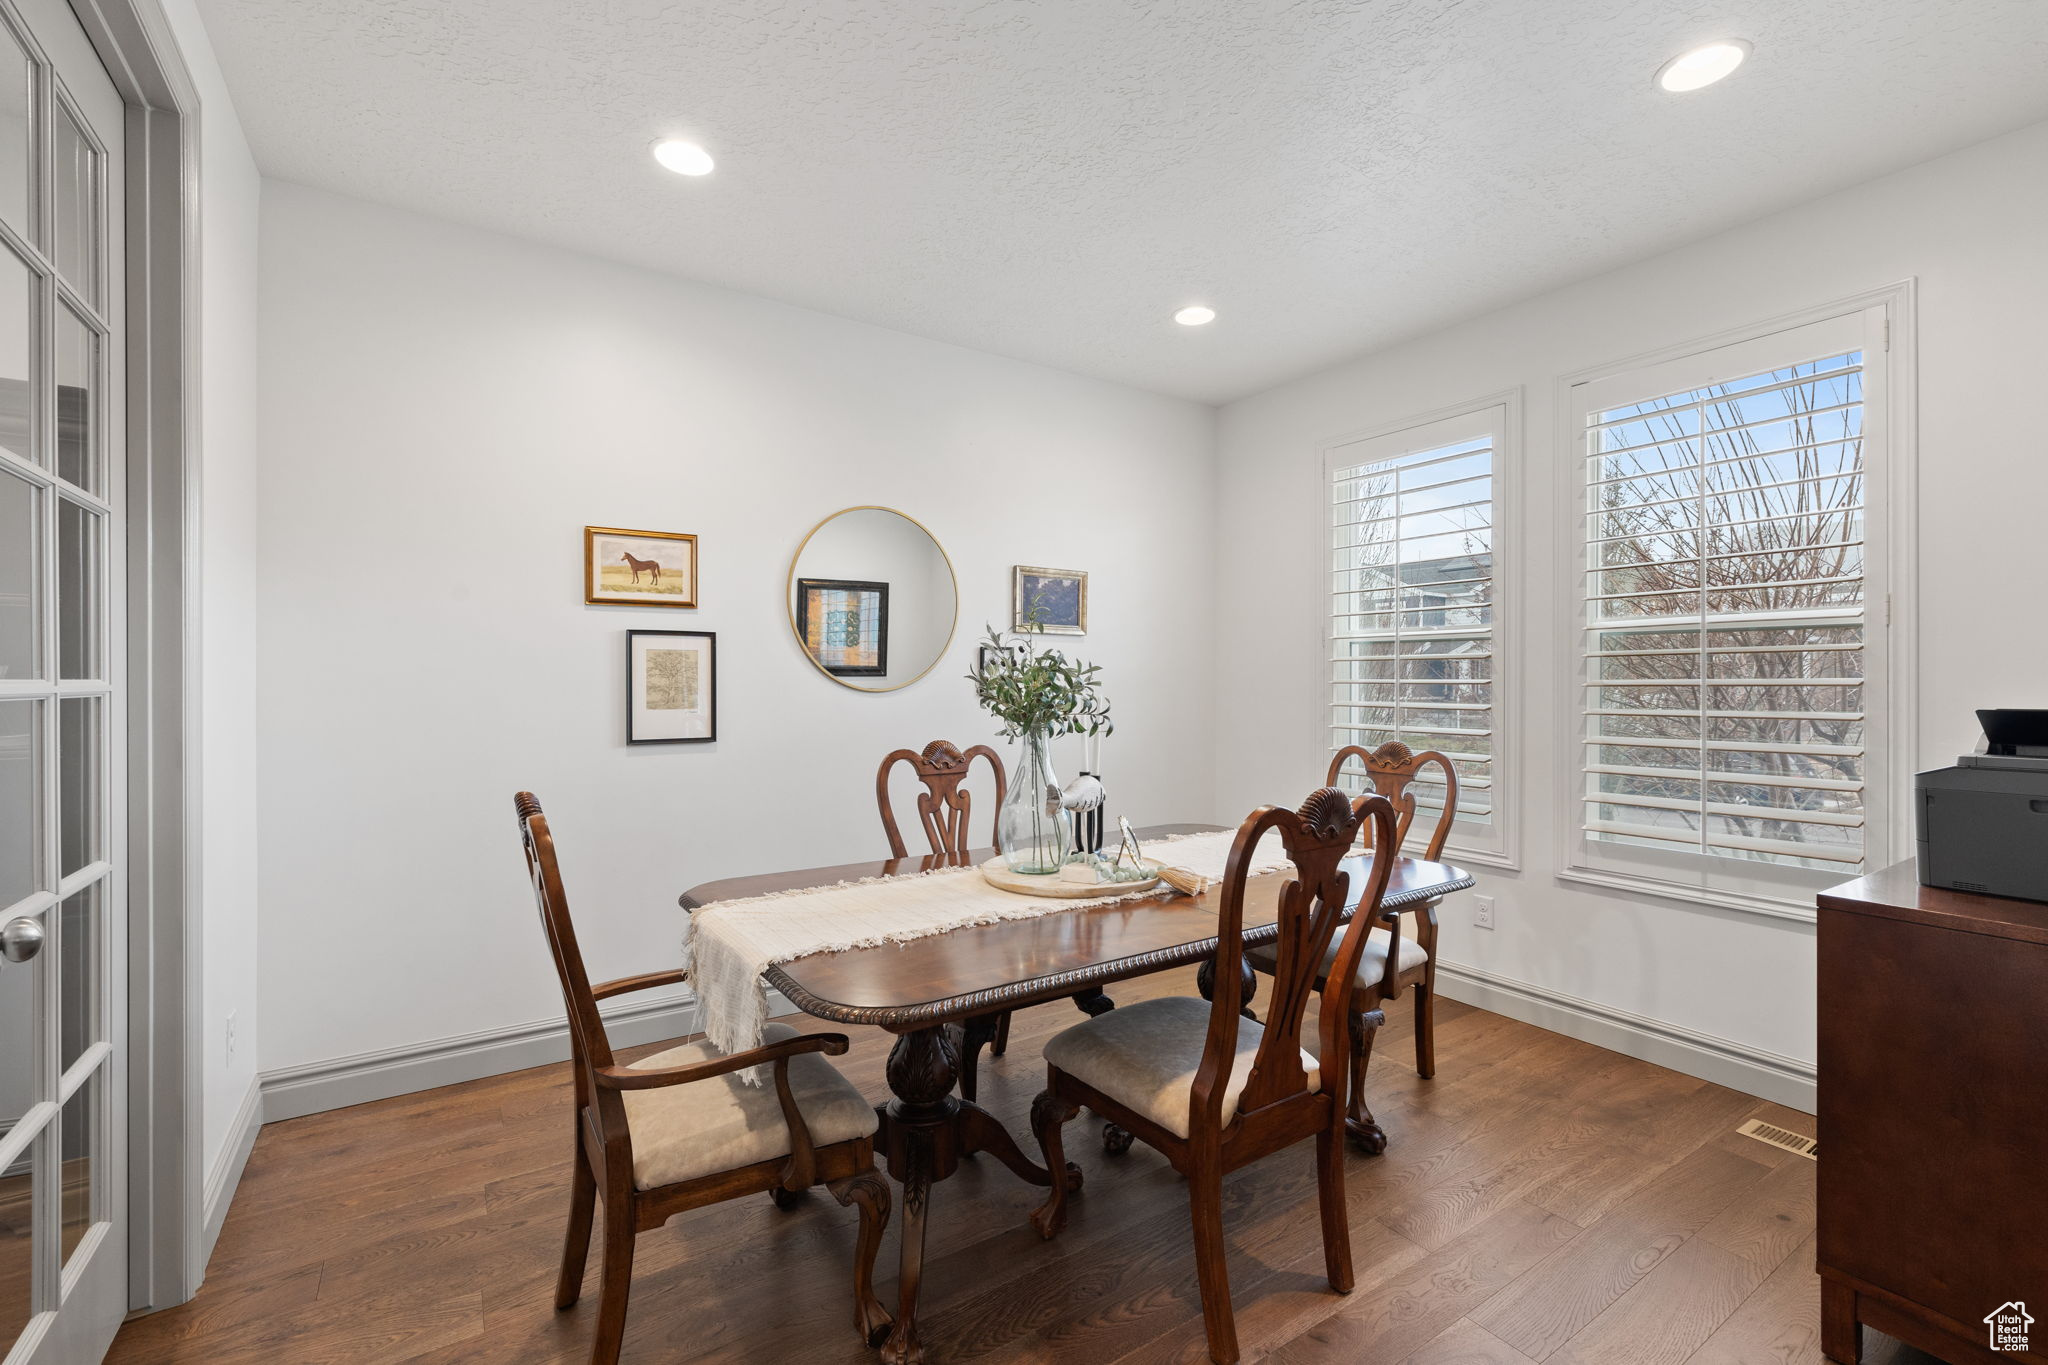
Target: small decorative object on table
1038, 694
1184, 880
1084, 797
1087, 878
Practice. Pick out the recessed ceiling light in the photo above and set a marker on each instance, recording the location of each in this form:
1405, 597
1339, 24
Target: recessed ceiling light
684, 158
1194, 315
1702, 66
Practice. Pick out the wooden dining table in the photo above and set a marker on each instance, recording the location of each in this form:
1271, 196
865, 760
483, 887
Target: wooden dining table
924, 991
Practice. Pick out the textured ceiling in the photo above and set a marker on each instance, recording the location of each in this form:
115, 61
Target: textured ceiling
1051, 180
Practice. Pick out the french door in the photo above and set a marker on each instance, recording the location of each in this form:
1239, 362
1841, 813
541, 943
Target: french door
63, 1145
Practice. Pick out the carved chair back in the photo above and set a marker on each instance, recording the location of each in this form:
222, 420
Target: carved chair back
1318, 838
588, 1043
1391, 768
945, 806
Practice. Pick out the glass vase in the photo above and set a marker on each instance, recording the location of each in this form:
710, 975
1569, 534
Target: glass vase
1037, 834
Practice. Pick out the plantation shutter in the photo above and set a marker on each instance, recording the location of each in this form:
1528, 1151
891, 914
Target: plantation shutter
1412, 592
1726, 637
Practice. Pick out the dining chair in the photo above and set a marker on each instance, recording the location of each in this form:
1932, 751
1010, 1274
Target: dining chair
1213, 1091
945, 809
1391, 769
682, 1129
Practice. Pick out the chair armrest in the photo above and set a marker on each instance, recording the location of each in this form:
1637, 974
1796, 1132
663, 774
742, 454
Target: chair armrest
1390, 913
629, 1078
625, 985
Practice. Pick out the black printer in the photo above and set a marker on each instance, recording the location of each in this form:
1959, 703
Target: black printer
1983, 824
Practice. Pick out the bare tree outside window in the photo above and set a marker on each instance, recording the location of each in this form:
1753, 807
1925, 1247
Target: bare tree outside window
1725, 627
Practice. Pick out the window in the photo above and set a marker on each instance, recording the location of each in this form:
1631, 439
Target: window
1414, 644
1731, 668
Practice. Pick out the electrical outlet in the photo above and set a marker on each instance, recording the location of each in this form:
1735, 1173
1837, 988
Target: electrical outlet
230, 1032
1482, 911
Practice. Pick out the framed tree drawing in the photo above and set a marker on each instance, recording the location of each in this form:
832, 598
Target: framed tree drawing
845, 625
671, 686
639, 568
1059, 595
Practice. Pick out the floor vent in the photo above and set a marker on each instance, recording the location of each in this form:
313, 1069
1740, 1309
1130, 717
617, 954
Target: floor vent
1779, 1137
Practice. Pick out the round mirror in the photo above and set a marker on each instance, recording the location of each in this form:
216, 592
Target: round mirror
872, 599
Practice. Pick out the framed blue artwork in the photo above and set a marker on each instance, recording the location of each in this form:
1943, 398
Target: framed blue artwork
1056, 598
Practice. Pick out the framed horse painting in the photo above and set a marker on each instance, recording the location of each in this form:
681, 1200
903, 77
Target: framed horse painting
639, 568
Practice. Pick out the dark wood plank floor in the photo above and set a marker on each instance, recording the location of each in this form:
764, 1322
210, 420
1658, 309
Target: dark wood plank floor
1543, 1201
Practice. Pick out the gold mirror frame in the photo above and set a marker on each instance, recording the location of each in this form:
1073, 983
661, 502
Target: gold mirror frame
789, 597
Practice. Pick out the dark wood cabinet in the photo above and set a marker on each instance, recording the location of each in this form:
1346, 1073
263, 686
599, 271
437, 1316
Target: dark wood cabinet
1933, 1157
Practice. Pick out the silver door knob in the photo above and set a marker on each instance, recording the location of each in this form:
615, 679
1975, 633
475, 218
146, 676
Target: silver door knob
21, 939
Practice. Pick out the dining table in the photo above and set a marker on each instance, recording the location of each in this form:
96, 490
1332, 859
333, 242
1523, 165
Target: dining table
924, 991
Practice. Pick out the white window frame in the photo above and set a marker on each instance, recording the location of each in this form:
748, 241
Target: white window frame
1883, 320
1498, 415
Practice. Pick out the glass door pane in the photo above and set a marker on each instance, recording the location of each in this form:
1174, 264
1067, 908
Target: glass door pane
20, 558
17, 1234
74, 194
17, 143
81, 942
80, 776
77, 394
21, 805
77, 1173
18, 288
78, 590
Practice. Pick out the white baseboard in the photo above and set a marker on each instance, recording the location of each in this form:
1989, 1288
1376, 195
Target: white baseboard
1767, 1075
226, 1174
341, 1081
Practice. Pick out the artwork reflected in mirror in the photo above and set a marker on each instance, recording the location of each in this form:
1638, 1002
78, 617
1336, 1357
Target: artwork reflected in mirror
845, 626
639, 568
872, 599
1052, 601
671, 686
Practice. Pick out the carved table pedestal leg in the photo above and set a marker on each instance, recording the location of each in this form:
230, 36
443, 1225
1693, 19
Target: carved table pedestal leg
924, 1133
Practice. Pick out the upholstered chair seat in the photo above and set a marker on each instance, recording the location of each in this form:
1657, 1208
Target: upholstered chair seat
1372, 963
722, 1124
1146, 1055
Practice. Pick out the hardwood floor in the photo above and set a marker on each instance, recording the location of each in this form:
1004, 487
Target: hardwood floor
1543, 1201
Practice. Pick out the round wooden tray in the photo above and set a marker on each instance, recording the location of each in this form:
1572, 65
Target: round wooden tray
998, 874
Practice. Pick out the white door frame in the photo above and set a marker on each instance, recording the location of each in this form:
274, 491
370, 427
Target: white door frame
165, 1141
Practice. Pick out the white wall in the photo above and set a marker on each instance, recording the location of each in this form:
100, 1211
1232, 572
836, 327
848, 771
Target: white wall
1968, 227
443, 412
229, 195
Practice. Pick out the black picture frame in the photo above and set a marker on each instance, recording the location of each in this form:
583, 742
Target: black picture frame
990, 654
876, 595
706, 680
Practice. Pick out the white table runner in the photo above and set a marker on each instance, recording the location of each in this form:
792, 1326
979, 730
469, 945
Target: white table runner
729, 944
